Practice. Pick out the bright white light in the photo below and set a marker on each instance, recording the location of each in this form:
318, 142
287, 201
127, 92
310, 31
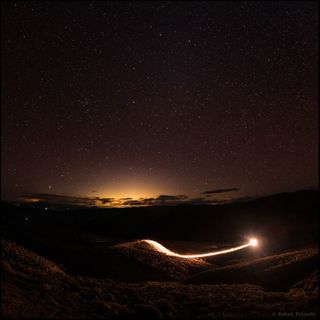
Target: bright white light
254, 242
160, 248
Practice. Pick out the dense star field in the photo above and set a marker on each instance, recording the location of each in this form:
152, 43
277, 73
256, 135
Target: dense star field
157, 102
159, 160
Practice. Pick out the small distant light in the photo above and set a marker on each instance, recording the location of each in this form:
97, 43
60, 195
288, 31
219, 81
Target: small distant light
45, 208
26, 218
254, 242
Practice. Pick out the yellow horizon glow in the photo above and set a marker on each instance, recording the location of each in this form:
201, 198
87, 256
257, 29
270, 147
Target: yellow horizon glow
135, 186
32, 200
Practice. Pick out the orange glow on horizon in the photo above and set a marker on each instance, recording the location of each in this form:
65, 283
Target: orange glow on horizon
32, 200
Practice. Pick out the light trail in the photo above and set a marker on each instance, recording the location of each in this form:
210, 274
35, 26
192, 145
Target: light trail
160, 248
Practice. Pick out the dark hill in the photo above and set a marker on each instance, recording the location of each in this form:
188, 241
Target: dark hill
33, 287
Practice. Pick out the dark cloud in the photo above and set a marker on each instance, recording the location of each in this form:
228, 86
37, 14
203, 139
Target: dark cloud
220, 190
105, 200
62, 199
204, 201
172, 200
197, 199
164, 197
148, 199
134, 203
160, 200
141, 202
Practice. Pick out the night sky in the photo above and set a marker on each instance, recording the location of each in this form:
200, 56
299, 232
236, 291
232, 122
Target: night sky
158, 102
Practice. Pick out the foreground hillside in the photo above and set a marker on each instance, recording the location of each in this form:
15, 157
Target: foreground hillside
90, 263
33, 287
277, 272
